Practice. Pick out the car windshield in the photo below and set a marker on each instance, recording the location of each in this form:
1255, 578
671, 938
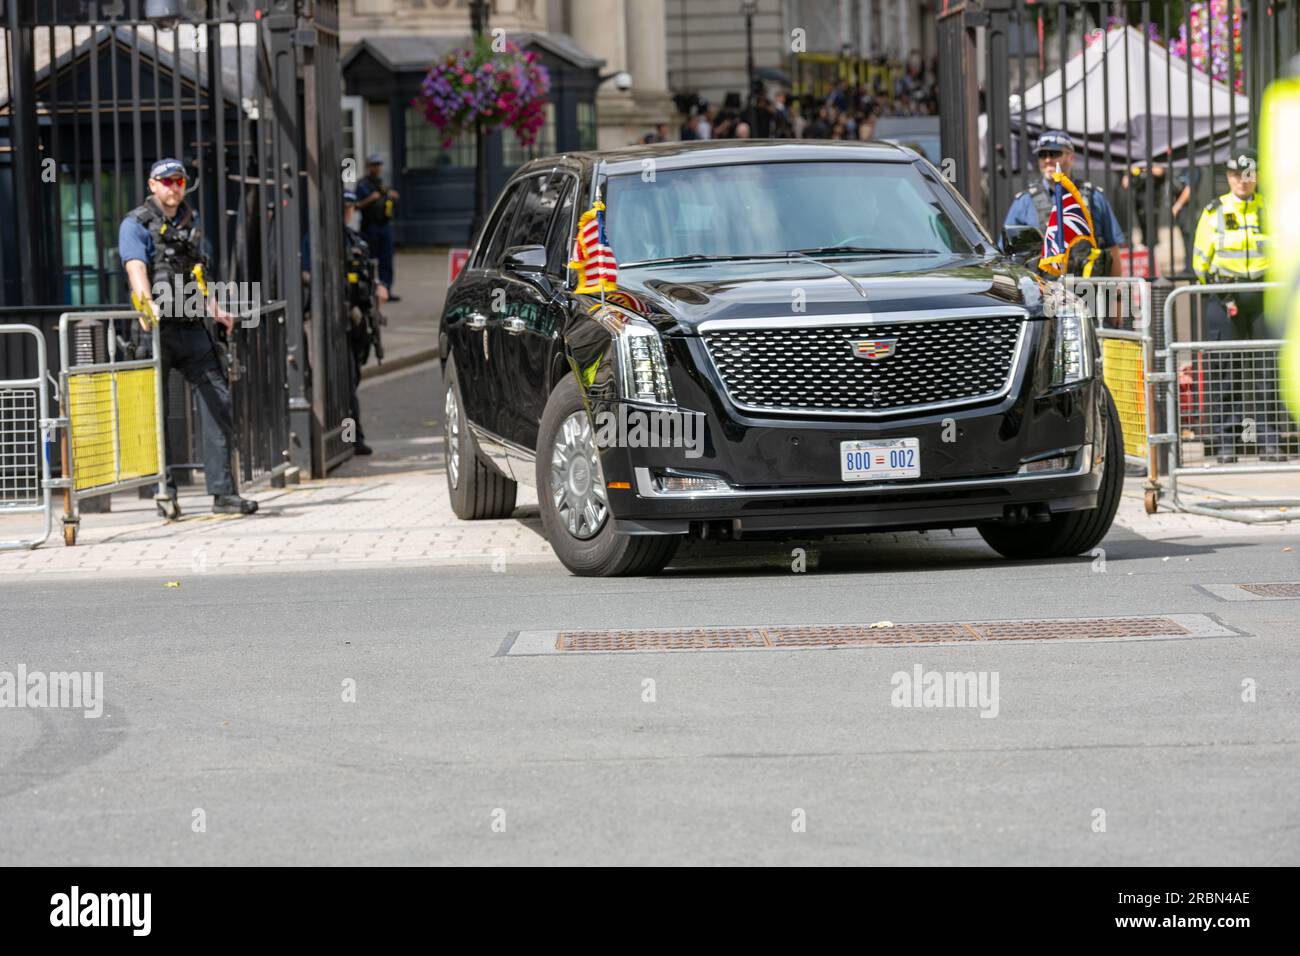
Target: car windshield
757, 209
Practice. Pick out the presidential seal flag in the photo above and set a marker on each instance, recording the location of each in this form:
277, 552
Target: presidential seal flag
1069, 224
592, 255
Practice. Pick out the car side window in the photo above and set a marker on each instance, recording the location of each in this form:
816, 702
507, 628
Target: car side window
541, 196
499, 228
559, 245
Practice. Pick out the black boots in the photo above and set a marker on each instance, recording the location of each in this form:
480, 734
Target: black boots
233, 505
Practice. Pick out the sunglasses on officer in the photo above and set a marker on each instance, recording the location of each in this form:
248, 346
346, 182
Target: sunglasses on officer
1050, 153
172, 182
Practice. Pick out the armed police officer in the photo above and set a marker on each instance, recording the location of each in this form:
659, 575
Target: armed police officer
161, 247
1231, 247
378, 202
365, 293
1033, 206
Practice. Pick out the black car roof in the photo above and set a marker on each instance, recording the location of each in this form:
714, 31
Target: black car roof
721, 152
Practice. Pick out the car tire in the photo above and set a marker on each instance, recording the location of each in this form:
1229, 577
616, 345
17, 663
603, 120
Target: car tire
476, 488
1073, 532
587, 548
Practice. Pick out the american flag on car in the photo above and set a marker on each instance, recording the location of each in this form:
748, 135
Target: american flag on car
592, 255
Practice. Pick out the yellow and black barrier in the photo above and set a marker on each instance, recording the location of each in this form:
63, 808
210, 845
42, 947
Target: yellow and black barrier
112, 412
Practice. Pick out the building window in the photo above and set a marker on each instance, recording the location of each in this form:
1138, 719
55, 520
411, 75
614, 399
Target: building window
92, 273
351, 145
586, 126
514, 153
424, 145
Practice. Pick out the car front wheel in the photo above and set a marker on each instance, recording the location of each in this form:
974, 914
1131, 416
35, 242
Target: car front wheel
1073, 532
575, 503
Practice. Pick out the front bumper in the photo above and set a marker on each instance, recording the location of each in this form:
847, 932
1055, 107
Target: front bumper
782, 475
905, 504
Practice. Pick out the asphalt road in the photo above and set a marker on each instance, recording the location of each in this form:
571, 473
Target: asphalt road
226, 697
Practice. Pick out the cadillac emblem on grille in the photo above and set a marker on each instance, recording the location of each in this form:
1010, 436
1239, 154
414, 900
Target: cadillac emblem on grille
874, 349
886, 368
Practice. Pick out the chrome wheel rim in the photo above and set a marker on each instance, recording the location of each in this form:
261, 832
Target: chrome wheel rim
577, 483
451, 413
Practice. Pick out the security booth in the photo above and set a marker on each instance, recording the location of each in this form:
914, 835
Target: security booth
437, 184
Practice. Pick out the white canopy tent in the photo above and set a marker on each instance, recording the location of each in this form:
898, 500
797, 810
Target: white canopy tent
1104, 87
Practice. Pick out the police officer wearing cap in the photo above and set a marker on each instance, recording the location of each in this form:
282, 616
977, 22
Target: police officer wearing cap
1033, 206
378, 203
159, 243
1231, 245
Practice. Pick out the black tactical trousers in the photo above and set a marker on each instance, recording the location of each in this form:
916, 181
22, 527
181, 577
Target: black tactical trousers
359, 347
1243, 385
187, 348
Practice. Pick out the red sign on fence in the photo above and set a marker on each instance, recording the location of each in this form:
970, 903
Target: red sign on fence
1135, 262
456, 259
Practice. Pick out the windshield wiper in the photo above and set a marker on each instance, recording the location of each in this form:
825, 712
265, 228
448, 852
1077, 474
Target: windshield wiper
857, 286
701, 257
865, 250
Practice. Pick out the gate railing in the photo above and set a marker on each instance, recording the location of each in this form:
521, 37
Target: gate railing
1225, 395
25, 429
247, 95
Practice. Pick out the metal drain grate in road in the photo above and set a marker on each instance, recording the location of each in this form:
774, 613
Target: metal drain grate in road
797, 637
1288, 589
1262, 591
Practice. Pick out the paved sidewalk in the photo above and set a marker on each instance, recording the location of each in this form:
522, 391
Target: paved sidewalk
411, 332
395, 513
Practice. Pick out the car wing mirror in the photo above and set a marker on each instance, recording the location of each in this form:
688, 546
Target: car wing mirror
1021, 243
526, 260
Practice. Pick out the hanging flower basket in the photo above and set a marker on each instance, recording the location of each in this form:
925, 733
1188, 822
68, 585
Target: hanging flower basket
503, 89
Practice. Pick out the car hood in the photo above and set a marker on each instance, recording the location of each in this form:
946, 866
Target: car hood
678, 298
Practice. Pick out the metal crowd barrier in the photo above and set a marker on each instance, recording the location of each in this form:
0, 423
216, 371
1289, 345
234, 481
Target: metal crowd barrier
112, 411
1122, 306
25, 430
1228, 387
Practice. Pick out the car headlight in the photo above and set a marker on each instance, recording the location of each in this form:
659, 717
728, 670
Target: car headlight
644, 365
1072, 345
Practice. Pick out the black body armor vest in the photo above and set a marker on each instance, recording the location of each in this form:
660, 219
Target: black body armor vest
177, 247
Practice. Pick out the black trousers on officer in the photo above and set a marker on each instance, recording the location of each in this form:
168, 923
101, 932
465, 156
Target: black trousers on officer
359, 349
381, 238
1245, 384
187, 347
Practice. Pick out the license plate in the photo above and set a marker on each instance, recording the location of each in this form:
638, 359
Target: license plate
880, 460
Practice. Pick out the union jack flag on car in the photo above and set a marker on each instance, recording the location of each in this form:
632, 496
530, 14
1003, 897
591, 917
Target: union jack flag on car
1069, 224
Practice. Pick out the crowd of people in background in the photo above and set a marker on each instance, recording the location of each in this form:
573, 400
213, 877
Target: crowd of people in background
848, 111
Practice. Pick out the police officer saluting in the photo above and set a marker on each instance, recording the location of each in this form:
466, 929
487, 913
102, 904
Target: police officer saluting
1033, 206
160, 243
1231, 246
364, 296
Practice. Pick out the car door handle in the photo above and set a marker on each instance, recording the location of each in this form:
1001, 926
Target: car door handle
476, 321
513, 324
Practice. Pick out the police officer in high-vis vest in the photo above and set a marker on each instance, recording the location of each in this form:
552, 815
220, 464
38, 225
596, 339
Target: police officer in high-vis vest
1033, 206
1231, 245
161, 247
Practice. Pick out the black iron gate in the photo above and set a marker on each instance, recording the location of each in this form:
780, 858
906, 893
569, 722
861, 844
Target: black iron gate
246, 94
1154, 94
